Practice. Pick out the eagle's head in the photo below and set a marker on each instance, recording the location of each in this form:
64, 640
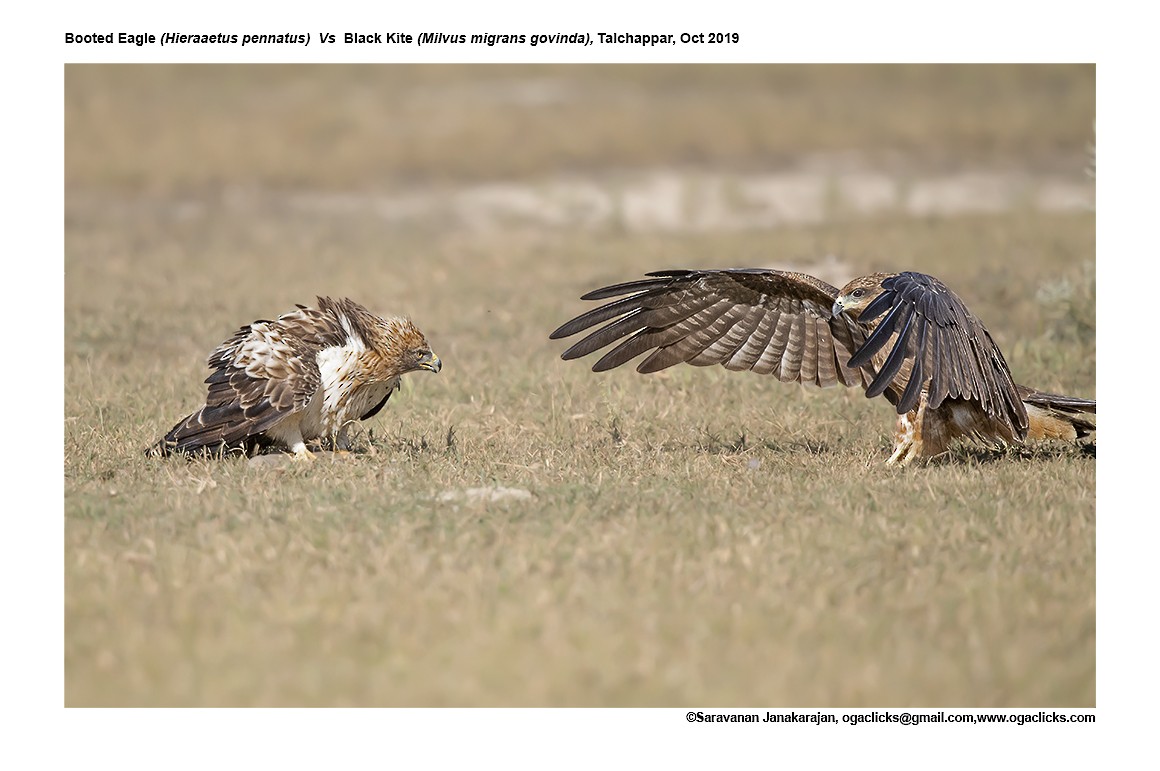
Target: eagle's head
420, 356
408, 348
856, 295
396, 345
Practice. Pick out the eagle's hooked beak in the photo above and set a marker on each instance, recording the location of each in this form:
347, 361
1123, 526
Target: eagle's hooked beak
430, 362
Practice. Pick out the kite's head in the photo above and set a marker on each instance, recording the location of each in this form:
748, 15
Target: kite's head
855, 296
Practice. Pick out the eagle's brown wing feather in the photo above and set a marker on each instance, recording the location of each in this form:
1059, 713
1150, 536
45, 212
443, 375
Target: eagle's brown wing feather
264, 372
944, 344
769, 321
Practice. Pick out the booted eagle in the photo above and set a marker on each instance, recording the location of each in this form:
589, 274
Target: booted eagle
902, 335
308, 375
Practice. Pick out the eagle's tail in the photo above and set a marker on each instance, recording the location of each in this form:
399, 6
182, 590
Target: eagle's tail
205, 431
1051, 416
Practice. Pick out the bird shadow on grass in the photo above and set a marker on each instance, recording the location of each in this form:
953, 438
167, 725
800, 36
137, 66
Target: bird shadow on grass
1038, 451
357, 444
413, 446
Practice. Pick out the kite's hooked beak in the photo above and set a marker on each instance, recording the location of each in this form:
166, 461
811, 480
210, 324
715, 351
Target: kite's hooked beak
838, 308
430, 362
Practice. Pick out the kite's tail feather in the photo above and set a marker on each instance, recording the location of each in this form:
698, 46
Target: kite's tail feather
1052, 416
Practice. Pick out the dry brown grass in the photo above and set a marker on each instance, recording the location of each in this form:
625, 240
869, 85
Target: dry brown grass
695, 537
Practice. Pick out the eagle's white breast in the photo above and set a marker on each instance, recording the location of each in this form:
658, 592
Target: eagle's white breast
341, 397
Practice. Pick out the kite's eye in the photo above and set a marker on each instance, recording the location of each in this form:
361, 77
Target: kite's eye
858, 293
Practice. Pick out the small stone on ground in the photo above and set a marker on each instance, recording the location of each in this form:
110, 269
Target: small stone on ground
484, 495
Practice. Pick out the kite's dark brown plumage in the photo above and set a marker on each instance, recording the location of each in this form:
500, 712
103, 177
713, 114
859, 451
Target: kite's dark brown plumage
902, 335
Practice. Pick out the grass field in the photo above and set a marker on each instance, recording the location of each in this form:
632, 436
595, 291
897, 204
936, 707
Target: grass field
696, 537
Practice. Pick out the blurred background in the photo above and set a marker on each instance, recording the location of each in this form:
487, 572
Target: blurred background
204, 128
670, 517
290, 169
